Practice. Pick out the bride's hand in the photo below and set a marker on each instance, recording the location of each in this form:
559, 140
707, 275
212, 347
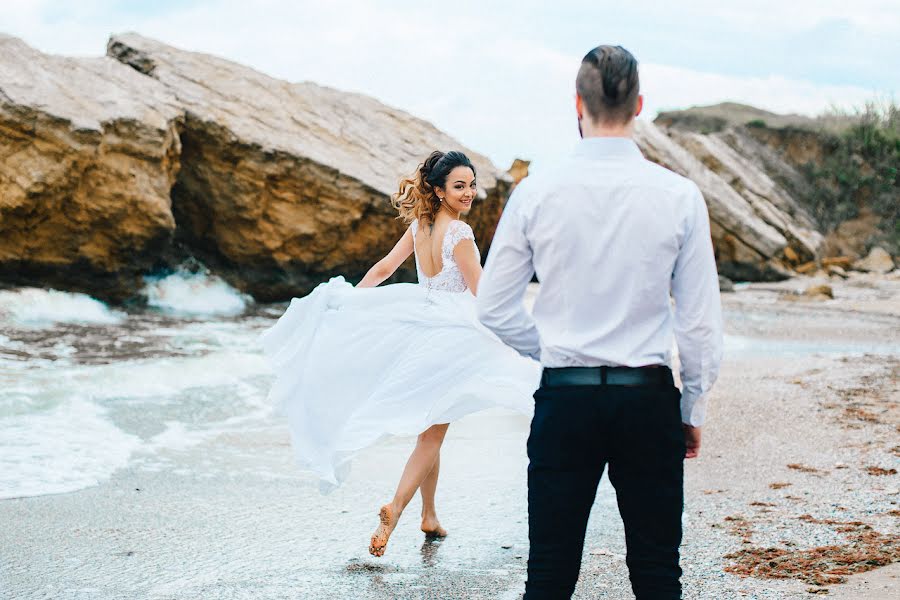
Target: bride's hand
691, 441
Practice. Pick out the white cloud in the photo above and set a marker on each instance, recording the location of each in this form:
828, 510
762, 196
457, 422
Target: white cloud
874, 16
667, 87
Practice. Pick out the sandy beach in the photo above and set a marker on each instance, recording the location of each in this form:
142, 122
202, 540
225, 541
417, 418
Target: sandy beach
795, 491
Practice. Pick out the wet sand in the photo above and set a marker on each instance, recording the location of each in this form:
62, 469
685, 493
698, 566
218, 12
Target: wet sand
798, 456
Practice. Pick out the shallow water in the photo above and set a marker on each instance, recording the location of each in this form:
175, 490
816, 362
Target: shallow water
85, 389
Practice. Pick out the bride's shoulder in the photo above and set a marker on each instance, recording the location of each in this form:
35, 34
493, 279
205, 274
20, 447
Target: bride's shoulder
461, 228
457, 231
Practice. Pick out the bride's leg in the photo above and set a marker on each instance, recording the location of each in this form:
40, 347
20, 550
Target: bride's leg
430, 524
419, 465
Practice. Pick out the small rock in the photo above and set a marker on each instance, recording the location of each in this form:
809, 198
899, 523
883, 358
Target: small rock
878, 261
819, 290
725, 284
791, 255
837, 261
836, 271
807, 267
519, 169
506, 546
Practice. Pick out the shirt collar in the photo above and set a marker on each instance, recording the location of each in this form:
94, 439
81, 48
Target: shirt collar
608, 147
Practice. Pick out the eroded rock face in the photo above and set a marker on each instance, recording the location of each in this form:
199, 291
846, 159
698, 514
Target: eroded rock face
760, 230
283, 185
747, 245
768, 200
88, 153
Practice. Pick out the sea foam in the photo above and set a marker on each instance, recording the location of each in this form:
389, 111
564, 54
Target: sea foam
39, 308
70, 447
185, 293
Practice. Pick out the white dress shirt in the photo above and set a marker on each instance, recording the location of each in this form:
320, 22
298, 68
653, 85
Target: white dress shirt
610, 236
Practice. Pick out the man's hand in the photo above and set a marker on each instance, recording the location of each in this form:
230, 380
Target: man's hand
691, 441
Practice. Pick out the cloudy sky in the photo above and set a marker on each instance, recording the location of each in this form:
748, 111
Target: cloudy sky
499, 75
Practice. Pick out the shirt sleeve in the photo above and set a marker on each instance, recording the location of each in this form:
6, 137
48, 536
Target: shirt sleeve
698, 313
507, 272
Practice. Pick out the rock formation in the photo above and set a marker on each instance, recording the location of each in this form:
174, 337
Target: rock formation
89, 150
285, 184
115, 166
759, 228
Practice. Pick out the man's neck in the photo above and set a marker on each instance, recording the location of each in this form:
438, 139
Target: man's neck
589, 130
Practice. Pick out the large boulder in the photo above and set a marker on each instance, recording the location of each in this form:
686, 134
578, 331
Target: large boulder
89, 150
769, 201
748, 244
760, 226
285, 184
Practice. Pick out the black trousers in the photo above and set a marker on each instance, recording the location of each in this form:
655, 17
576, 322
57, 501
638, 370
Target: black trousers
575, 433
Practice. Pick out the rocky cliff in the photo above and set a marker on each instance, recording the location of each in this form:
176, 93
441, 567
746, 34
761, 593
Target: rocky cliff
117, 166
283, 185
759, 228
112, 166
89, 150
828, 185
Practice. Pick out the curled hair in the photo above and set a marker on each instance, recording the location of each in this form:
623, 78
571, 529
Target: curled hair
416, 199
608, 84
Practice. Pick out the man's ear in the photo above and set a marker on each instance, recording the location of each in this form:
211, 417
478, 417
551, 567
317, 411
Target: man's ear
640, 105
579, 106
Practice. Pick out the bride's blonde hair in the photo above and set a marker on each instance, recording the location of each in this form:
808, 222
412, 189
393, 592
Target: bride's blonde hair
416, 199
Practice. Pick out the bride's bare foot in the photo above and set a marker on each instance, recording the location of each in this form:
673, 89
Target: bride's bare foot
388, 520
432, 528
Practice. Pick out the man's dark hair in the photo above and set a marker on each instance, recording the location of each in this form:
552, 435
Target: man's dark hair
608, 84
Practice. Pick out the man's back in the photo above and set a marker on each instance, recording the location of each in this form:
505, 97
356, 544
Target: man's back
609, 235
605, 227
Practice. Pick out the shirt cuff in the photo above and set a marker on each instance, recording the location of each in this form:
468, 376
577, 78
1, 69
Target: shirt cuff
693, 408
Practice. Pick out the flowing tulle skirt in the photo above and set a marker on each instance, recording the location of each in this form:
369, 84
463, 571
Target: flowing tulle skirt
355, 365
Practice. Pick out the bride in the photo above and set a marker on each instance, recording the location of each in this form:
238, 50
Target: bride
354, 365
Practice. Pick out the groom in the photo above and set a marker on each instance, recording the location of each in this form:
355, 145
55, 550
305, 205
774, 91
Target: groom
610, 236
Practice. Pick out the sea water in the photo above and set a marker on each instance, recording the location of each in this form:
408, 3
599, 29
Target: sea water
86, 390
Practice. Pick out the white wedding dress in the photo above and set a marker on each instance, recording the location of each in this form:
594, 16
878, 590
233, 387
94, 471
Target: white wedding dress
355, 365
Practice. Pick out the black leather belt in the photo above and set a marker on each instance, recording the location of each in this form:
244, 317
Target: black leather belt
657, 375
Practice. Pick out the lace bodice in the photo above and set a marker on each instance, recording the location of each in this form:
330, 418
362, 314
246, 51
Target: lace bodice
450, 278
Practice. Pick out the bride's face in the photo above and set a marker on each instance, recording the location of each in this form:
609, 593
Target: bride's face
460, 190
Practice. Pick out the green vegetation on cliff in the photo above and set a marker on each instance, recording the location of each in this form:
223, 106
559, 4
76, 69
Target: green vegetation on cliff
861, 169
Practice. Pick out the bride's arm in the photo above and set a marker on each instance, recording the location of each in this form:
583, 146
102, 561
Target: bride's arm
467, 260
385, 267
